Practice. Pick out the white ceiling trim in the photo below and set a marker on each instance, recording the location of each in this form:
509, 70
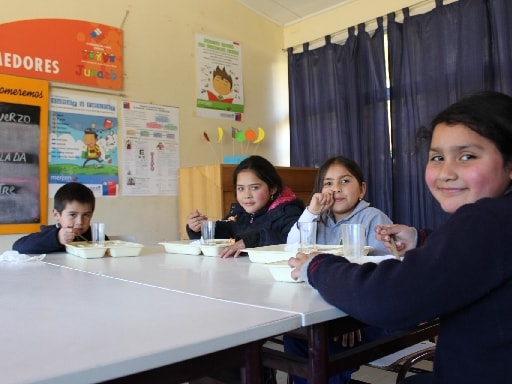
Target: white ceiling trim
339, 37
288, 12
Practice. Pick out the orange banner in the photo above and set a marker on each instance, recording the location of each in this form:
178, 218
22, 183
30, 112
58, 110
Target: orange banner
67, 51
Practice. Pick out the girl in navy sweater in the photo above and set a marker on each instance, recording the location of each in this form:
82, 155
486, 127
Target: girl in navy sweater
462, 273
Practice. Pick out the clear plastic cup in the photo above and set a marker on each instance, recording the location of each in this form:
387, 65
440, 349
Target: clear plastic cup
307, 232
353, 238
98, 232
208, 232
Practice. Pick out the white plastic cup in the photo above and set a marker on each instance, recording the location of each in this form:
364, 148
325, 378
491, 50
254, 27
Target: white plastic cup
307, 232
208, 232
353, 238
98, 232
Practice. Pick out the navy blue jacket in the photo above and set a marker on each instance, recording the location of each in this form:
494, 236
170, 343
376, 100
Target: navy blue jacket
462, 275
46, 241
268, 226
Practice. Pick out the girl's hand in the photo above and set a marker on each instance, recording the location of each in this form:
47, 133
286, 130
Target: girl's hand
320, 202
233, 250
405, 237
350, 339
195, 219
298, 261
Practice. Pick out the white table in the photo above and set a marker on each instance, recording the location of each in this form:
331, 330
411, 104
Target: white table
233, 279
63, 325
240, 282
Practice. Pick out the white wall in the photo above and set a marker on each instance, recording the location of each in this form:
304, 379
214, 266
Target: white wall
159, 66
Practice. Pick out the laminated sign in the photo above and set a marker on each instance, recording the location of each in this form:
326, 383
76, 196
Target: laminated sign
62, 50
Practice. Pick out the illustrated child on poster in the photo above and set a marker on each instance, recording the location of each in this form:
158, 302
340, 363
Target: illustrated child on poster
222, 85
92, 149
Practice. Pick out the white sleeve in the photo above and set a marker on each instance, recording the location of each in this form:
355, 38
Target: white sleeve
294, 235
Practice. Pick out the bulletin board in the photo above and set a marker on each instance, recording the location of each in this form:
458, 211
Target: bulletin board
23, 154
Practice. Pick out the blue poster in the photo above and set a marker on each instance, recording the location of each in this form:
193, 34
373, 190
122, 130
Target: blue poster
83, 143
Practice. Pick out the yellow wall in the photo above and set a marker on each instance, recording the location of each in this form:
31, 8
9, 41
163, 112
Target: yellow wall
159, 57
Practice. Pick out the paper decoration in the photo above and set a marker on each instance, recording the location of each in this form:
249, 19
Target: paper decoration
207, 138
261, 135
248, 136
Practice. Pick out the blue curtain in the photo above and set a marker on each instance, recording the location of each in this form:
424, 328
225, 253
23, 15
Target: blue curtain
338, 96
500, 15
338, 106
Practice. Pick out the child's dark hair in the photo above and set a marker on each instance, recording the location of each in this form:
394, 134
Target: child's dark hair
350, 164
263, 169
487, 113
73, 192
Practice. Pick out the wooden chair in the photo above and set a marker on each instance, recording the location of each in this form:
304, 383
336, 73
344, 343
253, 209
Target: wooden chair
401, 362
409, 344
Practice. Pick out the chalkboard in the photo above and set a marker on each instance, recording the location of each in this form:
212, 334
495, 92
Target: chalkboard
23, 165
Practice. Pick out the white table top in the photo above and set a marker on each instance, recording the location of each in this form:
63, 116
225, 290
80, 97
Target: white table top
236, 280
61, 325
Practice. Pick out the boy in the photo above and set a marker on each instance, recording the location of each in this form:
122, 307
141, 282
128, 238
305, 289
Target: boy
72, 209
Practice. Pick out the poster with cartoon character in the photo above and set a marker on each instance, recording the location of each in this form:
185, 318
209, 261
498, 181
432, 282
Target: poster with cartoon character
219, 78
83, 143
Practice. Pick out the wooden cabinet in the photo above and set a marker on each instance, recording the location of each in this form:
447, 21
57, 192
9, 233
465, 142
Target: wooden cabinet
209, 188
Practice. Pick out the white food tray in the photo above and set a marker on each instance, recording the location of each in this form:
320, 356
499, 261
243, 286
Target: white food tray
184, 247
115, 248
215, 249
280, 252
118, 248
281, 271
86, 249
194, 247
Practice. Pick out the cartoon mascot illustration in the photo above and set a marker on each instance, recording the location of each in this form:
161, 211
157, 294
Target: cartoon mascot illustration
92, 149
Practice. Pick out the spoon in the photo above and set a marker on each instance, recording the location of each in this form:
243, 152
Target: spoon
81, 237
393, 248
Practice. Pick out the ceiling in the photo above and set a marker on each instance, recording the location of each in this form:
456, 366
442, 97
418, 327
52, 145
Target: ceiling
286, 12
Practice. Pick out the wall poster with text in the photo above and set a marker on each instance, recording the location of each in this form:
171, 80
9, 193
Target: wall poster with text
23, 149
151, 156
83, 143
63, 50
220, 91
